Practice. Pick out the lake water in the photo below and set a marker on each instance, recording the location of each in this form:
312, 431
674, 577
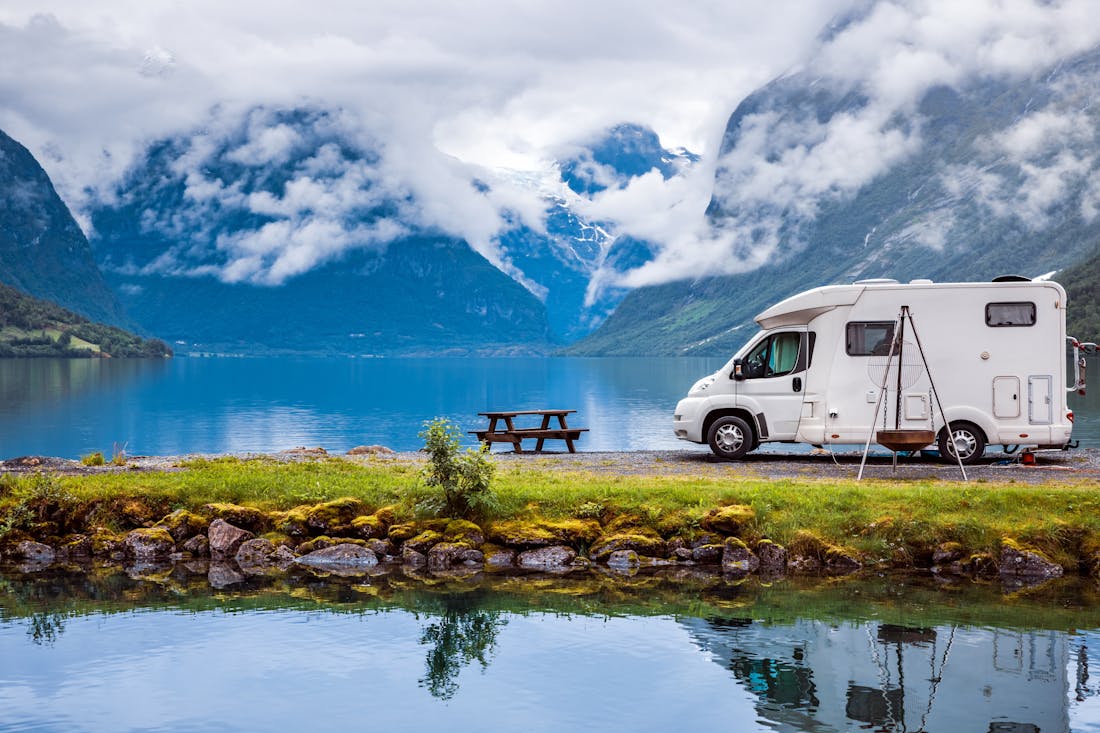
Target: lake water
165, 650
69, 408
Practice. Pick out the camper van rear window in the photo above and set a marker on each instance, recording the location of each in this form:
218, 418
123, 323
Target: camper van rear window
1010, 314
871, 338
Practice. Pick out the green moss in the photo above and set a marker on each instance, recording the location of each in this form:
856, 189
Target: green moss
368, 527
398, 533
732, 519
424, 541
642, 540
461, 530
244, 517
182, 524
322, 517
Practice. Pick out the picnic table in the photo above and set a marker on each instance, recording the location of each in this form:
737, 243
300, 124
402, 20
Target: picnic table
509, 433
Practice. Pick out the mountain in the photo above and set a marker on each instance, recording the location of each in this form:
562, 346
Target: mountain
31, 327
561, 261
1082, 284
42, 250
281, 234
991, 177
284, 232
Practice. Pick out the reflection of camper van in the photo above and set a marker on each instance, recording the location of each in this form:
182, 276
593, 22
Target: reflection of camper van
995, 352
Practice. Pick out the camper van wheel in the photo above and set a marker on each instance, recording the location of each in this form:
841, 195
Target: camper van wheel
730, 437
967, 439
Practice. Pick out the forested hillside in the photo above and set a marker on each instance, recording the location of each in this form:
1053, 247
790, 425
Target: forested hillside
30, 327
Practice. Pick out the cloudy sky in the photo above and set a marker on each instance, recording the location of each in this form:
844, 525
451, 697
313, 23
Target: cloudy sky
449, 86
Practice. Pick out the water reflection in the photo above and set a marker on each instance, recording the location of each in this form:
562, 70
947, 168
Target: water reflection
652, 652
460, 634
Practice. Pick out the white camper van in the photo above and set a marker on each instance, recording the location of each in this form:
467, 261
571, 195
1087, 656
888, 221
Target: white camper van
826, 369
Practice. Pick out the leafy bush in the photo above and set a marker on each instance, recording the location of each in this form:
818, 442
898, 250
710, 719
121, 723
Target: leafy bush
93, 459
463, 478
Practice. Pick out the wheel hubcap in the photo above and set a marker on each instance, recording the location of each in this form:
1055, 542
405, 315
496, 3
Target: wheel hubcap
963, 443
729, 438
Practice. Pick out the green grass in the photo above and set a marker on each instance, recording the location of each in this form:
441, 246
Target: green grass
883, 520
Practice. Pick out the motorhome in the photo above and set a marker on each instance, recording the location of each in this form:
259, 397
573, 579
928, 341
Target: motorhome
973, 364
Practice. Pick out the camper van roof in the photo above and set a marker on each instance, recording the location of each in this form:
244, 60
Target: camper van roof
800, 309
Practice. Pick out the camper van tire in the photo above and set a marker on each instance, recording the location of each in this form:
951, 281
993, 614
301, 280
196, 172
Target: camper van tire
730, 437
967, 438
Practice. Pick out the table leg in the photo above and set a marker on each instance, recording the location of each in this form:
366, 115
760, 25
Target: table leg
545, 426
568, 440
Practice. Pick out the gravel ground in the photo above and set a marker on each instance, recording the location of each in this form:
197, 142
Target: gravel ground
1050, 466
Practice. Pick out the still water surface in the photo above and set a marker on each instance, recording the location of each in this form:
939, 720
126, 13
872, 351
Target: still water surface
70, 408
167, 652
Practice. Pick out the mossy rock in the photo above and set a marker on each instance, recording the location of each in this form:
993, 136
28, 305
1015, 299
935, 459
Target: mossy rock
398, 533
324, 517
460, 530
291, 522
497, 556
643, 543
106, 544
279, 539
575, 531
387, 515
369, 527
624, 523
423, 541
947, 552
520, 534
183, 525
243, 517
730, 520
146, 543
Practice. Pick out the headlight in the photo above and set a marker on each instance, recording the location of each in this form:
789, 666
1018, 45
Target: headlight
702, 384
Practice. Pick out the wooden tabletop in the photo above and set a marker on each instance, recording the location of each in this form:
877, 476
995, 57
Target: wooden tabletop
525, 412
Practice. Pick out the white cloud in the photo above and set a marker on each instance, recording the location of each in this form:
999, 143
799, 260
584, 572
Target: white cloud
450, 89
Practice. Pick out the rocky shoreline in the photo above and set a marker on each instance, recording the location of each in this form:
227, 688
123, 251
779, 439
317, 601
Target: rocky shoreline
341, 537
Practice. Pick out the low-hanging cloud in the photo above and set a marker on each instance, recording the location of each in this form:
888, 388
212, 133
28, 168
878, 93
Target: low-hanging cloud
448, 93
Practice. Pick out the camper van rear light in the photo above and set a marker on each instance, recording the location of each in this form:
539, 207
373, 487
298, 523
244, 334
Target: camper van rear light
1069, 415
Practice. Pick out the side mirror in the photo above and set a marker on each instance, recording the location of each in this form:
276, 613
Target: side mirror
737, 372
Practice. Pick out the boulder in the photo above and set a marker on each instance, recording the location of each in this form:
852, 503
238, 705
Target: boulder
412, 558
198, 546
149, 544
423, 541
244, 517
728, 519
707, 554
773, 557
1026, 562
553, 557
254, 552
282, 556
34, 552
225, 539
623, 559
183, 525
947, 552
368, 527
471, 557
398, 533
382, 548
344, 555
370, 450
738, 558
641, 541
460, 530
325, 518
76, 546
682, 554
498, 557
445, 554
524, 535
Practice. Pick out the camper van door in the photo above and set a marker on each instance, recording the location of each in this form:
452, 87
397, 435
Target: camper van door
774, 382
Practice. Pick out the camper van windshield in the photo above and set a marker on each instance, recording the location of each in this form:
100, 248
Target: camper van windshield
869, 338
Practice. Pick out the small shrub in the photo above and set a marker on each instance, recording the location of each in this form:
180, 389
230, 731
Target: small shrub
463, 478
119, 456
93, 459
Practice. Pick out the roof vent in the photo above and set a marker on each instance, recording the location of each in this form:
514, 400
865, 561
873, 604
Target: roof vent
1011, 279
920, 281
877, 281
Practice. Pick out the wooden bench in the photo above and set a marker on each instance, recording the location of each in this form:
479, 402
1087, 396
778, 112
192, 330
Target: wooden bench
511, 434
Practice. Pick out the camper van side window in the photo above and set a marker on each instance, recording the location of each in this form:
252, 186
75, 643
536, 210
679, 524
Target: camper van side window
1010, 314
869, 338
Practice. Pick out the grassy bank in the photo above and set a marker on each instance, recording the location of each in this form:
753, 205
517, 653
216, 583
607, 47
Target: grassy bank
898, 523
